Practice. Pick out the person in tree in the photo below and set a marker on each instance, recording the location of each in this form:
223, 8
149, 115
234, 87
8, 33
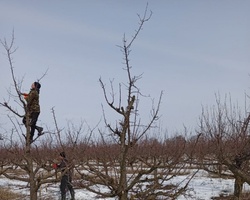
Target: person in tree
33, 109
66, 179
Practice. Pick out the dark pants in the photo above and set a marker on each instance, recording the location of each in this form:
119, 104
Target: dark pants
33, 119
66, 183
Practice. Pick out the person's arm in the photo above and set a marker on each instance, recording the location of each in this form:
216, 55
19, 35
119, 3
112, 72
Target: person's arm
25, 95
56, 165
60, 166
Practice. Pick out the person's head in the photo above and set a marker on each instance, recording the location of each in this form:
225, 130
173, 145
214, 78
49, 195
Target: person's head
62, 155
36, 86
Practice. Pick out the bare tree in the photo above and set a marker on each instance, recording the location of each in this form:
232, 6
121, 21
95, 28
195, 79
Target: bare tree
21, 154
226, 143
117, 162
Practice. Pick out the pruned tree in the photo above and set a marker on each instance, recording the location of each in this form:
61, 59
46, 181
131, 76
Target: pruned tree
33, 160
119, 162
225, 143
21, 155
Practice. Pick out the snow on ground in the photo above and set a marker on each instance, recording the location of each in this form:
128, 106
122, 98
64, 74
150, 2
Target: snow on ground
202, 187
205, 187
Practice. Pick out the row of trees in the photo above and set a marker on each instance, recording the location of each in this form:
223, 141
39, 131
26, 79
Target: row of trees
125, 159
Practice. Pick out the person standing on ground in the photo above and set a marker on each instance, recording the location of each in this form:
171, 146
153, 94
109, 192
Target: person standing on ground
33, 109
66, 179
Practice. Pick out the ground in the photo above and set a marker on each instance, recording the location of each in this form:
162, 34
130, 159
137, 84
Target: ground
202, 187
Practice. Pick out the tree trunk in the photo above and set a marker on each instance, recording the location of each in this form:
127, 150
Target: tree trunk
28, 142
33, 188
123, 194
238, 186
31, 173
33, 193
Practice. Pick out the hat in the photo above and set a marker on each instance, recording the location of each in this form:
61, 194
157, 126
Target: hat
62, 154
37, 85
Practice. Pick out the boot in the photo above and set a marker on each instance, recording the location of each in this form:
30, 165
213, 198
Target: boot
40, 130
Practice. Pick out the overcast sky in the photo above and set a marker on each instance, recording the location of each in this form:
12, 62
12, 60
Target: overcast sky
190, 50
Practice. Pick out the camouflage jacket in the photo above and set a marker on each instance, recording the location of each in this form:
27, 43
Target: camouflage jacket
33, 101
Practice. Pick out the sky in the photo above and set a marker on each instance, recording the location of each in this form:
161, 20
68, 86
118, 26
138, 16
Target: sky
190, 50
